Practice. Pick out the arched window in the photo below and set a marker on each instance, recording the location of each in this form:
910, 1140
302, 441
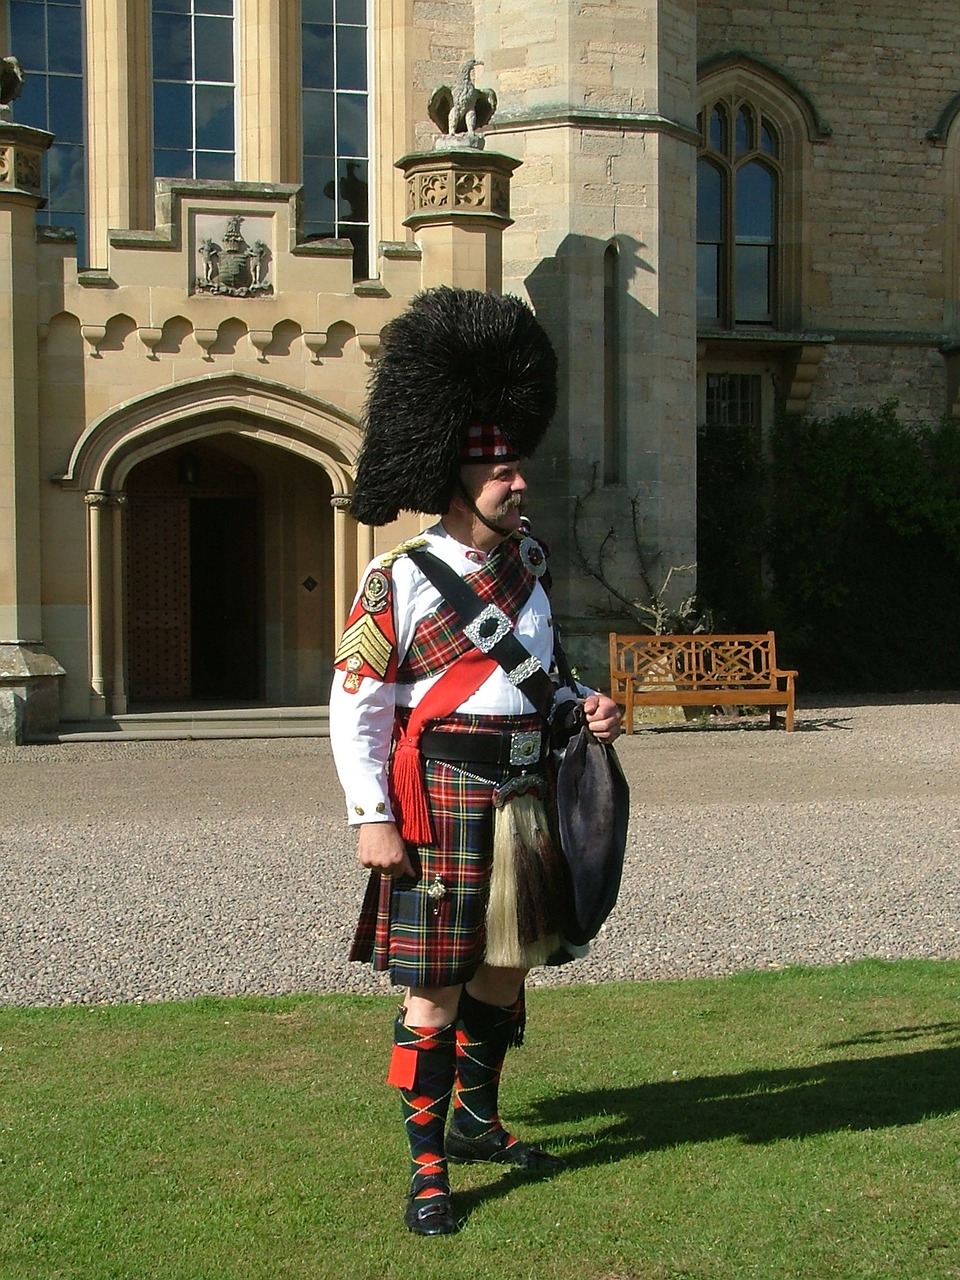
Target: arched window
194, 89
739, 194
336, 124
47, 37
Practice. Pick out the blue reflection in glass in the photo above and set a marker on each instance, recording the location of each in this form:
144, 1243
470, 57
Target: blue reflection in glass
171, 6
215, 6
316, 10
352, 11
351, 58
317, 49
173, 164
351, 124
318, 123
172, 118
214, 117
214, 49
768, 140
28, 36
65, 182
66, 108
216, 165
171, 47
31, 106
756, 188
65, 40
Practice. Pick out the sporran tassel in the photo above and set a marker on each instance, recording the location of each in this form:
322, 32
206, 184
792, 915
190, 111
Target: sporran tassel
503, 949
527, 885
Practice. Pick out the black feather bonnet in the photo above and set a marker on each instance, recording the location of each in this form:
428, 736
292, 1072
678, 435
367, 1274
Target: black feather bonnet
454, 358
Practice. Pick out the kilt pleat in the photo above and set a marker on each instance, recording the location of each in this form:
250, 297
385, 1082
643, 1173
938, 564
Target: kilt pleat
430, 931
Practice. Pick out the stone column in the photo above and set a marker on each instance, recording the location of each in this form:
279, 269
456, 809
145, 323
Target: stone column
268, 73
458, 204
119, 142
599, 101
97, 580
29, 678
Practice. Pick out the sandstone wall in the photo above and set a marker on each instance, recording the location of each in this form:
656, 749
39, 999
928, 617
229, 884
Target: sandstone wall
879, 221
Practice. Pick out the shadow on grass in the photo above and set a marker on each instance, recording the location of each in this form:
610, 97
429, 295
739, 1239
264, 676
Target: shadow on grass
754, 1106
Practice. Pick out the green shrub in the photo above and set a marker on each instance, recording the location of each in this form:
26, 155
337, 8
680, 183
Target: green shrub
845, 540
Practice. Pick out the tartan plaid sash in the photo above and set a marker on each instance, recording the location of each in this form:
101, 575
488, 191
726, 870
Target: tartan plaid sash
441, 644
440, 639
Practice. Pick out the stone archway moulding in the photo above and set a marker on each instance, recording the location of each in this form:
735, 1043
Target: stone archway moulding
263, 410
141, 428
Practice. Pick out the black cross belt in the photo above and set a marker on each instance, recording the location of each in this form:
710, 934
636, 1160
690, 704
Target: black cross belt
489, 628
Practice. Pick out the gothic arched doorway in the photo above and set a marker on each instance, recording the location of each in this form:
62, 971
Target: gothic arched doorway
193, 556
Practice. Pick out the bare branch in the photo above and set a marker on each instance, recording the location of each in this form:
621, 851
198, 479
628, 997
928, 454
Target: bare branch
655, 612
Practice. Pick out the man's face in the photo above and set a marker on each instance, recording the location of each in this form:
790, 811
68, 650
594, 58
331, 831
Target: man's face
497, 489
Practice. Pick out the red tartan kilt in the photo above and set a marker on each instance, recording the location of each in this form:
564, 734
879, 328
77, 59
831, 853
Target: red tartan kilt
424, 941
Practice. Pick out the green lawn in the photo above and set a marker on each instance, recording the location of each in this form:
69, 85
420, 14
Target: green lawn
793, 1124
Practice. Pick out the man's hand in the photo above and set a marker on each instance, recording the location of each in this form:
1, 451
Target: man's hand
602, 716
381, 848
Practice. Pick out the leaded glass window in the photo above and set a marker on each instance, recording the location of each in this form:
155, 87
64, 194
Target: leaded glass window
47, 37
739, 183
194, 89
336, 146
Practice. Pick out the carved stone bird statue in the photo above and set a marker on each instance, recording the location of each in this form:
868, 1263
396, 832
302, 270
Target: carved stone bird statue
463, 109
11, 82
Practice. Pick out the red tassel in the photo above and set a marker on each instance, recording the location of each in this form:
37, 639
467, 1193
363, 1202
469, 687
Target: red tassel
408, 794
407, 790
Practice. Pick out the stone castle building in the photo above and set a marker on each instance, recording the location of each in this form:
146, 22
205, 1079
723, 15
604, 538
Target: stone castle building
209, 209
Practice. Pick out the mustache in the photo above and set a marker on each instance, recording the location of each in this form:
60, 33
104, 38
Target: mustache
511, 502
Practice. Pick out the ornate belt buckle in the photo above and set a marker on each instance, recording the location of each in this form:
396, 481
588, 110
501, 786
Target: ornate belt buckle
488, 628
525, 747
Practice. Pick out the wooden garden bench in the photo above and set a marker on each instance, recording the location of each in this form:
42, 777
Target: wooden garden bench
699, 671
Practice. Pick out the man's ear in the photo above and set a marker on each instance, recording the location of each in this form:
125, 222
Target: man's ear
459, 497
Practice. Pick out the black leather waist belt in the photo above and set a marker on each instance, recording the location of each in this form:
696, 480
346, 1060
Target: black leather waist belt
521, 749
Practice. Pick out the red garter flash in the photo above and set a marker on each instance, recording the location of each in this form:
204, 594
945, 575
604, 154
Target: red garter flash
403, 1067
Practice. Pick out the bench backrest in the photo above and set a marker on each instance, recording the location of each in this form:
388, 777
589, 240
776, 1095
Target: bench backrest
692, 662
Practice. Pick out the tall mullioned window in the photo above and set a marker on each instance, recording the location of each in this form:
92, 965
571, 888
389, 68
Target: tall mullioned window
47, 37
194, 89
739, 185
336, 127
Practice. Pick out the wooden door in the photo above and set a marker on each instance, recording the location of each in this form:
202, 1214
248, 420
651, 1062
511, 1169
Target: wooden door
158, 598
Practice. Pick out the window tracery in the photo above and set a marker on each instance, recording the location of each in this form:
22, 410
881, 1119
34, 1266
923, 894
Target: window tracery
739, 215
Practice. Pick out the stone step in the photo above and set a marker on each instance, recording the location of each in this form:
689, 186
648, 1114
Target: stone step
194, 723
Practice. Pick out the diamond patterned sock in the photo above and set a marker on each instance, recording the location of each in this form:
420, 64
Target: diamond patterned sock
423, 1066
484, 1032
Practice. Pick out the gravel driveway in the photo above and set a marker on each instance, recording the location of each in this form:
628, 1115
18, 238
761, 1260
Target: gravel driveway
162, 870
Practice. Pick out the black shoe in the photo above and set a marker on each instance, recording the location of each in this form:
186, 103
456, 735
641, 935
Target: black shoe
495, 1147
430, 1215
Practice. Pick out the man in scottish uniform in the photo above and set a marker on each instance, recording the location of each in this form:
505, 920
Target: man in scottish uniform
441, 742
